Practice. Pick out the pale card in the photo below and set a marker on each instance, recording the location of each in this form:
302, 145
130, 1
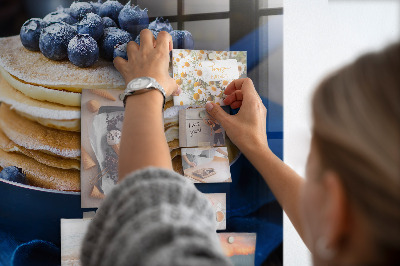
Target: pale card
198, 129
206, 164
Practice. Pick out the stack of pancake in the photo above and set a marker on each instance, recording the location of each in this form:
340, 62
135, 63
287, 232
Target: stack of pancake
171, 128
40, 113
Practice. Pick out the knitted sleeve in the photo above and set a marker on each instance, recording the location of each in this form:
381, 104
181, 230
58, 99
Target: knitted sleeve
153, 217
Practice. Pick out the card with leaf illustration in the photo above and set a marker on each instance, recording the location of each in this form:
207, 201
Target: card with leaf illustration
204, 75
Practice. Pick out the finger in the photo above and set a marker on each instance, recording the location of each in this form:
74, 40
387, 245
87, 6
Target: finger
163, 41
146, 40
236, 105
120, 64
131, 49
245, 85
235, 96
218, 113
177, 92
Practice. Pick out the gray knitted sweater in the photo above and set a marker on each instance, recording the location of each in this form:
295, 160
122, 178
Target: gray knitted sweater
153, 217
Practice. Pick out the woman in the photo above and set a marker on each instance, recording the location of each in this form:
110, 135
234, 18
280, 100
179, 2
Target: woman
346, 211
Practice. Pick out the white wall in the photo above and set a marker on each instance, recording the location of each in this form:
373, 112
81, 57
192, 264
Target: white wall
320, 36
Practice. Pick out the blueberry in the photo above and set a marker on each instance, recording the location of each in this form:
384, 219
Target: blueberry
30, 33
110, 9
108, 22
111, 37
54, 39
96, 6
182, 39
133, 19
14, 174
79, 9
58, 16
65, 10
120, 50
159, 24
83, 50
91, 24
155, 34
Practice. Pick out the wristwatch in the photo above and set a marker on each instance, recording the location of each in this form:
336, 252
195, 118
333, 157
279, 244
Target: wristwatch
141, 85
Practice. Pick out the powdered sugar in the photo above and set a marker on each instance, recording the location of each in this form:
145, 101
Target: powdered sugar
58, 16
30, 143
32, 25
84, 45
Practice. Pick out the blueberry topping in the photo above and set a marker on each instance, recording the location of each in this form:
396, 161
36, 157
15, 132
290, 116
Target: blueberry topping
91, 24
155, 34
182, 39
54, 39
79, 9
14, 174
30, 33
111, 37
96, 6
83, 50
58, 16
108, 22
133, 19
110, 9
160, 25
120, 50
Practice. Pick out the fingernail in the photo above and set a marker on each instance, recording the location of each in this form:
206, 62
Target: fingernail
209, 106
179, 90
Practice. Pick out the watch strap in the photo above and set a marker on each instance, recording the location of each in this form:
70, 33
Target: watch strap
154, 85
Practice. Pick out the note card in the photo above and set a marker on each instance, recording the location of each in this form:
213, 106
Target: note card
203, 75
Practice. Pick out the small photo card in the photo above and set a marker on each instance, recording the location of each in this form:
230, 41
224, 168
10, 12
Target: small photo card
206, 164
240, 248
72, 233
218, 201
204, 75
197, 128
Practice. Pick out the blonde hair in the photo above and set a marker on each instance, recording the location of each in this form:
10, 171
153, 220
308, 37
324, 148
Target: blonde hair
356, 113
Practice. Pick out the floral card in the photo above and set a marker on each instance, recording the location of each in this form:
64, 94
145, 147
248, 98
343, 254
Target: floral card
203, 74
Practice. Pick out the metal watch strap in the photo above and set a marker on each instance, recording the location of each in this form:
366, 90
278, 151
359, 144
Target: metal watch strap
155, 86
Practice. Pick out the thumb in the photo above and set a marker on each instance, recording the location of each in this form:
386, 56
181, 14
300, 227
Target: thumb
218, 113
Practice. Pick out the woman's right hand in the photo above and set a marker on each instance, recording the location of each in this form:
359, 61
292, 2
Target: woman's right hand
247, 129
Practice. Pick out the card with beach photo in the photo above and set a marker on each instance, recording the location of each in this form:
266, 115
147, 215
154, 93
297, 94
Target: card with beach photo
206, 164
197, 128
240, 248
204, 75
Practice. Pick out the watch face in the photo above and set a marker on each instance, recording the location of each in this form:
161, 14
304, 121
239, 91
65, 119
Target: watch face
140, 83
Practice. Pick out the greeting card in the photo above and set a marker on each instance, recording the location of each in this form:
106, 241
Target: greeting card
197, 128
240, 248
203, 75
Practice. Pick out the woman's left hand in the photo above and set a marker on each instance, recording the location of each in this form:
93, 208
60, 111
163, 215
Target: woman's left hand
150, 59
